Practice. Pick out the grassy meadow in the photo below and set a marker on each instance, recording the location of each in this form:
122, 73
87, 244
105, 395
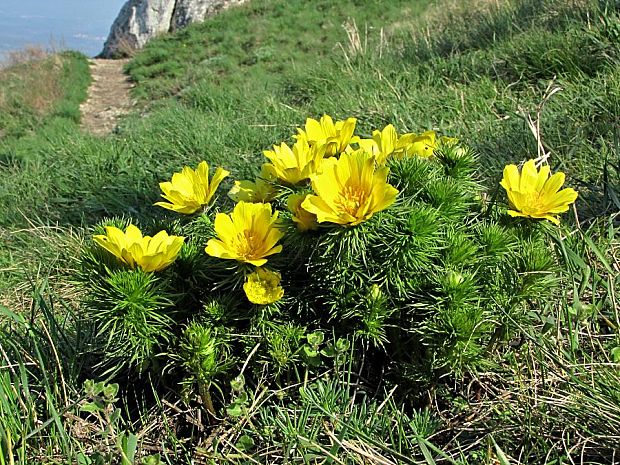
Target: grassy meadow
510, 79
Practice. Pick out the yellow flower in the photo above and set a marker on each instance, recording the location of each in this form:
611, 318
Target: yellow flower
533, 194
298, 164
248, 234
422, 145
386, 143
302, 218
350, 190
334, 137
263, 287
259, 191
149, 253
190, 189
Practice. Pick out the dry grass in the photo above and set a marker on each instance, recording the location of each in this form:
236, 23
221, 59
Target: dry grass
31, 78
26, 55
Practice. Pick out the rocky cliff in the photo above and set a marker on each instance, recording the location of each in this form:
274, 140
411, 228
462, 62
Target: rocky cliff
140, 20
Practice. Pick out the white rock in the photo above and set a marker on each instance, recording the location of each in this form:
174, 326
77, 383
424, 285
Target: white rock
191, 11
141, 20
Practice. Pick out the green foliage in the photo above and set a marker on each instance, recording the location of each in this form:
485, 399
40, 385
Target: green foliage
199, 352
253, 43
131, 310
43, 358
203, 356
332, 417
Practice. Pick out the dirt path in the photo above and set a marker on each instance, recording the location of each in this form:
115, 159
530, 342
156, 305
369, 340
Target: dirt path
108, 96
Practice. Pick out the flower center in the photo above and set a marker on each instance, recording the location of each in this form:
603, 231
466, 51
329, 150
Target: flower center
247, 244
534, 203
351, 199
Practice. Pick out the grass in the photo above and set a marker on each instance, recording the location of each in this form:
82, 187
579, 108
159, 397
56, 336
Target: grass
229, 88
38, 87
283, 36
40, 96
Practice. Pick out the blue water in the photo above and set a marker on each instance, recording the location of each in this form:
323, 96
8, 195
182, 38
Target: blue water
56, 24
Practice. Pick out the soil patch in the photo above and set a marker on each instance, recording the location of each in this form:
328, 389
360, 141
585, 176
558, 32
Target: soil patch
108, 96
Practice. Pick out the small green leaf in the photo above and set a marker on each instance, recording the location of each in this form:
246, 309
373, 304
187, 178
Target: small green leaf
329, 351
235, 410
315, 339
238, 383
309, 352
81, 459
342, 345
550, 323
99, 387
93, 407
115, 416
245, 443
110, 391
89, 387
152, 460
98, 459
242, 398
129, 445
501, 456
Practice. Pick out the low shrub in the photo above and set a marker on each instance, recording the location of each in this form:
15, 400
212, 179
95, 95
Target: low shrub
386, 254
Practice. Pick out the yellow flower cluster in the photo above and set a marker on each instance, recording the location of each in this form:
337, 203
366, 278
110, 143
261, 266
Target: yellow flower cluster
345, 172
337, 178
329, 137
387, 143
349, 190
250, 234
298, 164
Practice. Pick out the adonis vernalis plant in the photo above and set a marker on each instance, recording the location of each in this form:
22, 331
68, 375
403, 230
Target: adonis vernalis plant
334, 138
536, 194
383, 144
262, 287
259, 191
387, 245
422, 145
387, 143
304, 219
297, 164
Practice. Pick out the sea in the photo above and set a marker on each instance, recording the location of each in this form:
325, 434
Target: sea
56, 25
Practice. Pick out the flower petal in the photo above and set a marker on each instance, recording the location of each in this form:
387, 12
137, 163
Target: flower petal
529, 177
511, 178
553, 184
543, 175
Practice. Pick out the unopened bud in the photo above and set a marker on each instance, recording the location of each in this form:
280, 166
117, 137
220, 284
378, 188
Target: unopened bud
375, 292
453, 279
